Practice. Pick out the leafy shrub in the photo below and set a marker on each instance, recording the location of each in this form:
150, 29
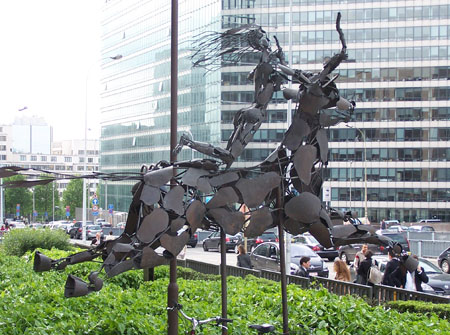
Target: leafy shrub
18, 241
34, 303
422, 307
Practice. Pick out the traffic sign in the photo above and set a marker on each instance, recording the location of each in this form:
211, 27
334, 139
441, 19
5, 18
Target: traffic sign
95, 208
110, 208
95, 201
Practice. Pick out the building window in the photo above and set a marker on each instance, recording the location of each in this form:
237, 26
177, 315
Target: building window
81, 159
43, 158
90, 160
33, 158
53, 159
2, 138
2, 157
2, 147
23, 158
68, 159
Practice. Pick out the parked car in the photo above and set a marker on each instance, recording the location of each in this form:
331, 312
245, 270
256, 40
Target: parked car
121, 225
193, 240
347, 252
91, 231
310, 241
17, 225
429, 221
36, 225
421, 228
444, 260
213, 241
77, 229
438, 283
266, 256
267, 236
397, 229
397, 237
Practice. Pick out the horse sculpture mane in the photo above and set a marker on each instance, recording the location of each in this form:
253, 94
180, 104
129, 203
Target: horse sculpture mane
169, 200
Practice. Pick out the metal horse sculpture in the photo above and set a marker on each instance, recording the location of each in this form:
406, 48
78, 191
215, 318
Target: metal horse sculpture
169, 200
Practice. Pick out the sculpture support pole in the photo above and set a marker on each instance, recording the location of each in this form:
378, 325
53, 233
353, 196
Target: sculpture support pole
280, 205
172, 290
223, 276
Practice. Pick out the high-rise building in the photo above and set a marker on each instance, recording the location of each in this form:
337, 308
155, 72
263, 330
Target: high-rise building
389, 162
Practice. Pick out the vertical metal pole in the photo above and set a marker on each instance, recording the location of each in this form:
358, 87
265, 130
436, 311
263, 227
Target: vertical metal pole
2, 214
53, 202
280, 205
172, 290
223, 276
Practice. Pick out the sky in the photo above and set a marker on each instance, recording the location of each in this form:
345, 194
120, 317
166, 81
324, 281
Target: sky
50, 54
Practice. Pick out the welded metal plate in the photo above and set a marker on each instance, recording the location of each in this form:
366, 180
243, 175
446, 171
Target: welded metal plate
192, 175
322, 140
119, 268
223, 179
225, 196
174, 200
304, 208
26, 183
321, 233
294, 227
231, 222
295, 134
343, 231
151, 259
174, 244
237, 148
153, 224
195, 214
254, 191
122, 248
177, 224
304, 159
260, 221
203, 185
325, 218
150, 195
159, 177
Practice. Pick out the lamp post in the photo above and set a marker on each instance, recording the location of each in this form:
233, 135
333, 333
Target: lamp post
117, 57
351, 185
363, 134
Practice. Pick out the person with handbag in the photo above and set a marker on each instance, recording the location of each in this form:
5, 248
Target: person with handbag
364, 268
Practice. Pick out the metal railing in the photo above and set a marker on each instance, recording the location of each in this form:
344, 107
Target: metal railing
377, 294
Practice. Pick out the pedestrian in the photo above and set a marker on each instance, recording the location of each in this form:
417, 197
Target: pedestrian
305, 263
383, 225
359, 257
364, 267
98, 237
110, 236
411, 281
342, 271
391, 266
243, 259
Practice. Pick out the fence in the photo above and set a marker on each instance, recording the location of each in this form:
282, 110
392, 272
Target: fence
377, 294
428, 244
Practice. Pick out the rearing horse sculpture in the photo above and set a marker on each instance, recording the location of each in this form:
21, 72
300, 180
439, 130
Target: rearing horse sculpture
169, 200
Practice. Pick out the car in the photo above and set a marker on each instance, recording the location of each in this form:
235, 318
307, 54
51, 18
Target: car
429, 221
438, 281
76, 231
213, 241
17, 225
36, 225
121, 225
397, 237
397, 229
421, 228
267, 236
391, 223
91, 231
193, 240
310, 241
266, 256
347, 252
444, 260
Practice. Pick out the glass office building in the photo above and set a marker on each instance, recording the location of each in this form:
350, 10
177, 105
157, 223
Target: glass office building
391, 159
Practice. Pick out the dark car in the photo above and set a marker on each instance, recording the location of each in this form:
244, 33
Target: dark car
438, 282
347, 252
267, 236
310, 241
193, 240
397, 237
444, 260
421, 228
213, 241
266, 256
77, 229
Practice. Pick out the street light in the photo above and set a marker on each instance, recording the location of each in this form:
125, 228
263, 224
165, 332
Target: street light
363, 134
117, 57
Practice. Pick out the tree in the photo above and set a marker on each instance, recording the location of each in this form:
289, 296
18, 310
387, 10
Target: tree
73, 195
43, 198
18, 195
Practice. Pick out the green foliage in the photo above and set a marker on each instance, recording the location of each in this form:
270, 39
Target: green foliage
73, 195
18, 195
442, 310
34, 303
18, 241
43, 196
